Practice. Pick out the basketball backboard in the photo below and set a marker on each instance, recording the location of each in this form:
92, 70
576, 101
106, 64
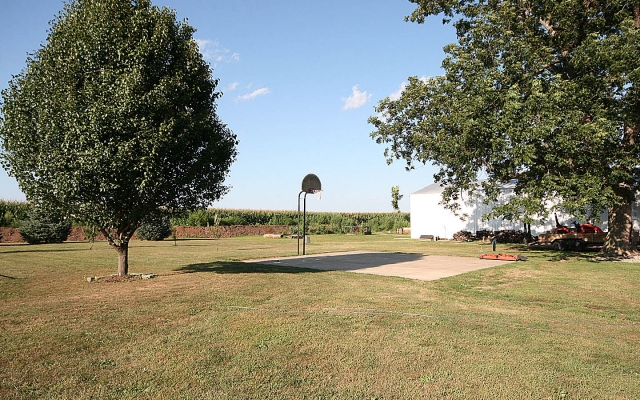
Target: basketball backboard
311, 184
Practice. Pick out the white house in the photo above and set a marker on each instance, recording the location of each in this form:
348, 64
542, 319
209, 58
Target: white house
428, 217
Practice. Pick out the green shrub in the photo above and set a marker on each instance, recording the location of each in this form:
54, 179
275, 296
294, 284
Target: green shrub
198, 218
232, 220
155, 227
179, 218
90, 233
334, 221
282, 219
12, 212
43, 227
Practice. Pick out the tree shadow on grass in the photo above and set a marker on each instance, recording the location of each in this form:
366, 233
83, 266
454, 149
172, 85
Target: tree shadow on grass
238, 267
550, 254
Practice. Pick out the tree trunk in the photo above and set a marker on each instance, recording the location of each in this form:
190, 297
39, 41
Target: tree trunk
119, 241
123, 258
619, 241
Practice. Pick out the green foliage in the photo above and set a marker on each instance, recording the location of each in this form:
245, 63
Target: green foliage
44, 227
325, 222
282, 219
90, 233
395, 198
12, 212
155, 227
198, 218
545, 96
335, 223
232, 220
331, 222
318, 229
115, 116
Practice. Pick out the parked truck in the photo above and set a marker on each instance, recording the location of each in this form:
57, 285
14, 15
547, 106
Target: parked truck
580, 237
571, 241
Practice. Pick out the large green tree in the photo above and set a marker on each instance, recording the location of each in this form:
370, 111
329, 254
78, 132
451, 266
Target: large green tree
114, 118
544, 93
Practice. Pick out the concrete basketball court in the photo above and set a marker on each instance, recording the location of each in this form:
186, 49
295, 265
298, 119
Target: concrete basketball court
412, 266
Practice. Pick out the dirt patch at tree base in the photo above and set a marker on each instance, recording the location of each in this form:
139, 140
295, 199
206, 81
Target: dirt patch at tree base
116, 278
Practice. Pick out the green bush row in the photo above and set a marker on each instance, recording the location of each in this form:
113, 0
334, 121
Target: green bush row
13, 212
323, 222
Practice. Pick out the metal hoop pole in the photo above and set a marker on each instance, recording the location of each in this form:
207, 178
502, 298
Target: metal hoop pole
298, 232
304, 226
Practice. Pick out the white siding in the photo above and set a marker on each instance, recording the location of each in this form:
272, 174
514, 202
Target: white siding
428, 217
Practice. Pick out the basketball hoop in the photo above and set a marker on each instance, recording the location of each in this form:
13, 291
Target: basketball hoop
310, 184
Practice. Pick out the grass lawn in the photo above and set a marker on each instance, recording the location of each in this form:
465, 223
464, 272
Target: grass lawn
209, 326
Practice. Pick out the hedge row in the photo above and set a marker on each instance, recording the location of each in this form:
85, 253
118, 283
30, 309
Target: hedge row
13, 212
327, 221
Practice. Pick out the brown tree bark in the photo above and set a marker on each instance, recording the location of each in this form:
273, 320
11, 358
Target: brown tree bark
120, 242
123, 258
619, 241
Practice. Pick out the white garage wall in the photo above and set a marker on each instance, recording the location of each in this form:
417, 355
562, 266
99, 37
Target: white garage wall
428, 217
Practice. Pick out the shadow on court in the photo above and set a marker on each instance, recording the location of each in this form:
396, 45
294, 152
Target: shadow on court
413, 266
239, 267
343, 261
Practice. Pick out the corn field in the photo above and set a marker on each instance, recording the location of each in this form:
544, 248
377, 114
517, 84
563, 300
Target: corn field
13, 212
317, 222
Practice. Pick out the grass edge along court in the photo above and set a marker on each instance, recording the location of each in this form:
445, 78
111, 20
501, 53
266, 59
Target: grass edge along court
560, 325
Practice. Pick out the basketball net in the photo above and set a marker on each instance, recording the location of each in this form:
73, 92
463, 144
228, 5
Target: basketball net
318, 194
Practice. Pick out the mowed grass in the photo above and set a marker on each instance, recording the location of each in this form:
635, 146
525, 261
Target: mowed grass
209, 326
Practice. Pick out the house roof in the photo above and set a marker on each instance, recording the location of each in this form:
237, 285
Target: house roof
434, 188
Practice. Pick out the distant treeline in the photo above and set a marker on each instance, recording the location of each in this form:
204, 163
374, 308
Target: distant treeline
12, 212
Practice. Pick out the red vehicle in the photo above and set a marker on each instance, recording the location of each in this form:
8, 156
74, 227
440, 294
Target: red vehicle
580, 228
578, 238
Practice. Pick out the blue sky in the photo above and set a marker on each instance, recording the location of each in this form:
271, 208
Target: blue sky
299, 80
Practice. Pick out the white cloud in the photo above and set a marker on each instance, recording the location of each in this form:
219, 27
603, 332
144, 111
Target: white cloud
213, 51
396, 95
254, 94
356, 100
232, 86
205, 47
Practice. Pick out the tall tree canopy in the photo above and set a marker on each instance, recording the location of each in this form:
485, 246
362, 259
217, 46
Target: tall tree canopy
115, 117
545, 93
